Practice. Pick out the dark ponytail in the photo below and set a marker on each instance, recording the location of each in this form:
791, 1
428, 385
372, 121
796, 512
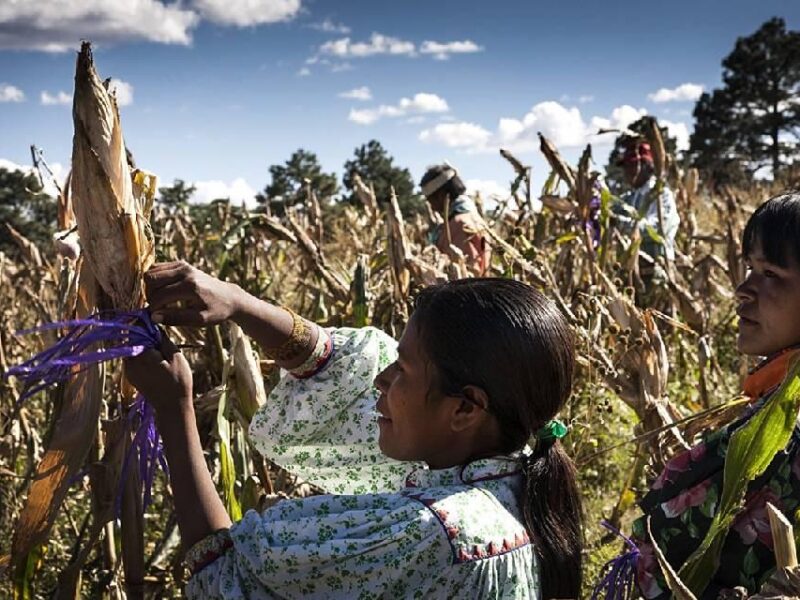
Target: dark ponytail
509, 339
554, 519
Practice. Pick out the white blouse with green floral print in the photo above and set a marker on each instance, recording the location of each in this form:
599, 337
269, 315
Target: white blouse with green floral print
387, 529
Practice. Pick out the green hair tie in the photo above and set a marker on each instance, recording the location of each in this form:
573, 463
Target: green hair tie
552, 430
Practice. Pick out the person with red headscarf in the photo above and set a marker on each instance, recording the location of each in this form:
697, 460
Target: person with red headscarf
658, 237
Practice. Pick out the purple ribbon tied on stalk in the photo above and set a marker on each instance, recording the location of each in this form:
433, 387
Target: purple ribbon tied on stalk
619, 581
147, 444
103, 336
592, 222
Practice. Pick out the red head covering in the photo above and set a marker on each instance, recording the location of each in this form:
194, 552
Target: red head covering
636, 151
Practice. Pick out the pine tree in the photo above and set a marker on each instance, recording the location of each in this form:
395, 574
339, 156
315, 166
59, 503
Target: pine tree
26, 208
288, 181
753, 121
375, 166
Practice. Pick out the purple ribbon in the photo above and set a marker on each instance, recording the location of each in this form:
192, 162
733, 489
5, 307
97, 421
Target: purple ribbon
619, 581
147, 446
98, 338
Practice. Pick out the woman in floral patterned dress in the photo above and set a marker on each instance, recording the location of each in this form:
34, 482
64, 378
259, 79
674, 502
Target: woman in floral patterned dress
683, 500
432, 490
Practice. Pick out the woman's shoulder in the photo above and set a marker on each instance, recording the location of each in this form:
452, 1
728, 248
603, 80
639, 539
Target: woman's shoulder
479, 522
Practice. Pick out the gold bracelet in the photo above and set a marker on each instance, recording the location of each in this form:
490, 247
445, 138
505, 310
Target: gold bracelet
298, 342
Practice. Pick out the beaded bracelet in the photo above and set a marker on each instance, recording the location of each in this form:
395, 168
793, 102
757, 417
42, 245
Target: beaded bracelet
207, 550
318, 358
297, 343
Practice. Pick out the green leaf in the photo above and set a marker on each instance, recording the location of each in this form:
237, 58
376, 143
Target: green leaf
227, 468
24, 575
710, 503
654, 235
567, 237
751, 564
550, 185
750, 451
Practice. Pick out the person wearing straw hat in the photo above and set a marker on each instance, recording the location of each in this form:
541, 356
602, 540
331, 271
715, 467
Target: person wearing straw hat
463, 226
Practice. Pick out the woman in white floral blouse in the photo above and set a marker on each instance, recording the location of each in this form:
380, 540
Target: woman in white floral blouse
431, 490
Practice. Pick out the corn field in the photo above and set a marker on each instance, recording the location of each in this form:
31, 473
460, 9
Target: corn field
649, 380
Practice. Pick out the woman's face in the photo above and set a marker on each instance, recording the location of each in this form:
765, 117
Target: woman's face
769, 305
412, 426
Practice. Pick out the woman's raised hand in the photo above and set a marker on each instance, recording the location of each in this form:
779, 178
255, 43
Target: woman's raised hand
205, 300
162, 375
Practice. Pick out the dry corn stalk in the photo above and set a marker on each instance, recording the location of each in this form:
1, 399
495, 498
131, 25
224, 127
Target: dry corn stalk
398, 249
115, 235
641, 369
367, 197
110, 209
551, 153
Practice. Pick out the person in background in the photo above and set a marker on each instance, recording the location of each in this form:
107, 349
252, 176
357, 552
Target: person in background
641, 204
439, 456
463, 226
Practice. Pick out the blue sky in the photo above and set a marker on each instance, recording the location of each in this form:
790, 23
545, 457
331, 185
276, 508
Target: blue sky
215, 91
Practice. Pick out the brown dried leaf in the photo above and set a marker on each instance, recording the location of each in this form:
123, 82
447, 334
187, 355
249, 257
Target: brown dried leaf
114, 235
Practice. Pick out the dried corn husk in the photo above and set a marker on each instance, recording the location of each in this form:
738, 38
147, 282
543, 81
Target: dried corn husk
564, 171
653, 134
250, 390
115, 236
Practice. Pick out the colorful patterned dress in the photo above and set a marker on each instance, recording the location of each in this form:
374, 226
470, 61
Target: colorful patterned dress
683, 500
386, 529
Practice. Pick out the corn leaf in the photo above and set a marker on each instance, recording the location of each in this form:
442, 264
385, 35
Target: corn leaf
227, 467
750, 451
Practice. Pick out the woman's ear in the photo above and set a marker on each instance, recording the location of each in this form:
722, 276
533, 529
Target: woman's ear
471, 408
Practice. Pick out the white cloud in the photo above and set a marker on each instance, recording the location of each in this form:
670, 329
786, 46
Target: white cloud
488, 189
304, 72
341, 67
360, 93
123, 92
457, 135
377, 44
585, 99
244, 13
384, 44
620, 118
328, 26
421, 103
49, 99
679, 131
10, 93
122, 89
564, 126
59, 25
442, 51
682, 93
237, 191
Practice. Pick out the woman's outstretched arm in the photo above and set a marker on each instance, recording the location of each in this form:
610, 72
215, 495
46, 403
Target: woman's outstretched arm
206, 300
